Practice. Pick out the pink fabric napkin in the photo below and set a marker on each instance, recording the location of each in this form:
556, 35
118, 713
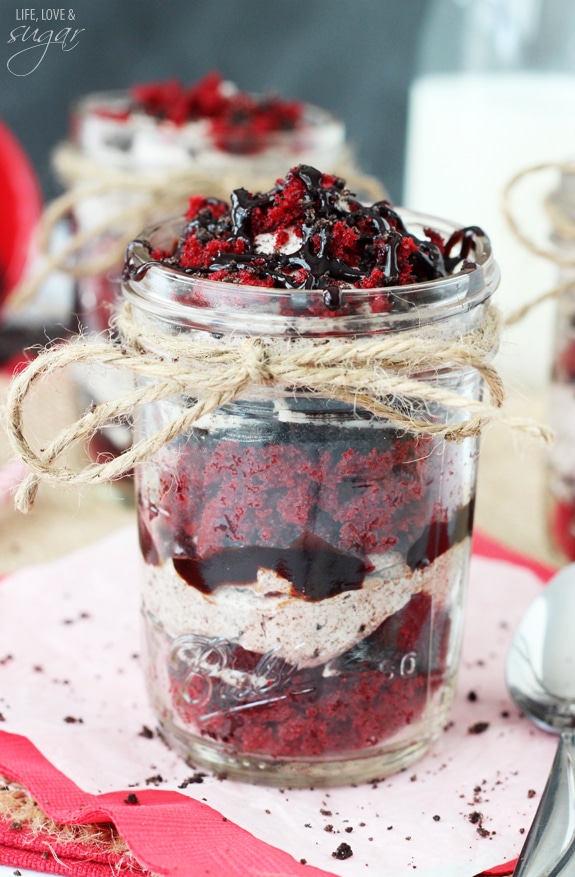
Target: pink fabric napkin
78, 734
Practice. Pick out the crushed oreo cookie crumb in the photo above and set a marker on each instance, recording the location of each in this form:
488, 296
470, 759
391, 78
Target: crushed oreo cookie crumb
478, 728
155, 780
146, 732
476, 818
344, 851
197, 777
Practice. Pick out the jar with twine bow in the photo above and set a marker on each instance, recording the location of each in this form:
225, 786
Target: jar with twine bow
305, 480
130, 157
559, 206
562, 384
556, 246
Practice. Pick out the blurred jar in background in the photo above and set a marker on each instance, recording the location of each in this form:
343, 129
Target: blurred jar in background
132, 154
209, 137
562, 386
495, 93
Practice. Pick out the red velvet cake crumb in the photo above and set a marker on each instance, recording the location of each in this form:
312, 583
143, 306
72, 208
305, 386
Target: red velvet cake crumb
310, 233
361, 500
238, 123
318, 715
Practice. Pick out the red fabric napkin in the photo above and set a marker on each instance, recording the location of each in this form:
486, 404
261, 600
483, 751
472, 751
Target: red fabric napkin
486, 547
167, 832
162, 826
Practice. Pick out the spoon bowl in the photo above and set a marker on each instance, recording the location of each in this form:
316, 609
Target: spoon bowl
540, 676
540, 670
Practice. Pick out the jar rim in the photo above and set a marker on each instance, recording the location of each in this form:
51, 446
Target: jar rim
160, 290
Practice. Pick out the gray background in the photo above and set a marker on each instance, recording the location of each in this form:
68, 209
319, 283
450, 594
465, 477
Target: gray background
353, 57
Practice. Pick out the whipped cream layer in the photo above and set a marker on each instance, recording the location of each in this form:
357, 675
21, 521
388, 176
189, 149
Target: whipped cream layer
262, 617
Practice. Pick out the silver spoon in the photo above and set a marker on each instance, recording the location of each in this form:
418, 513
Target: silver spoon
540, 674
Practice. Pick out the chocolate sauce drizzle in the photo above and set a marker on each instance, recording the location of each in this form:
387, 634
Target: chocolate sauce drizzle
439, 536
315, 569
380, 233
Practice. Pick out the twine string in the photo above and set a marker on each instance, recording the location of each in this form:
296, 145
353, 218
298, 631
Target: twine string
150, 197
373, 374
561, 224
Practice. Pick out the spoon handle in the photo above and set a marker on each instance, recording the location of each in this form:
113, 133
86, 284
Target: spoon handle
549, 850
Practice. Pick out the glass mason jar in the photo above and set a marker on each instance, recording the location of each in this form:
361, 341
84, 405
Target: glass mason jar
511, 65
561, 471
126, 148
304, 562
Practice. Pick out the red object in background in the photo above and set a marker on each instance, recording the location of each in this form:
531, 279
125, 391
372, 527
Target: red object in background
20, 209
563, 527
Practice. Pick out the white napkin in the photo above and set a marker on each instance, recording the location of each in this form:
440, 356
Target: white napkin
69, 638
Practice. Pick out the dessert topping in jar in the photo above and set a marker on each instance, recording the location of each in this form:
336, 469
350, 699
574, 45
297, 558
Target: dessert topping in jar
310, 232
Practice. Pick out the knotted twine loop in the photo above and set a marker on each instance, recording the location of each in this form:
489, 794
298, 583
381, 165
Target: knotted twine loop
372, 373
561, 224
133, 200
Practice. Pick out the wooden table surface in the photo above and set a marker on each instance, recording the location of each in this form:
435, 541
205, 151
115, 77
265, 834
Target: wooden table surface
511, 496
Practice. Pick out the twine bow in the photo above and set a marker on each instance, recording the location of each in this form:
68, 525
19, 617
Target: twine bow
375, 374
133, 200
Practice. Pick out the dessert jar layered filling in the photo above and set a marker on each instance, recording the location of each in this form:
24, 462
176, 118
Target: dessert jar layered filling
306, 533
304, 569
561, 478
211, 125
